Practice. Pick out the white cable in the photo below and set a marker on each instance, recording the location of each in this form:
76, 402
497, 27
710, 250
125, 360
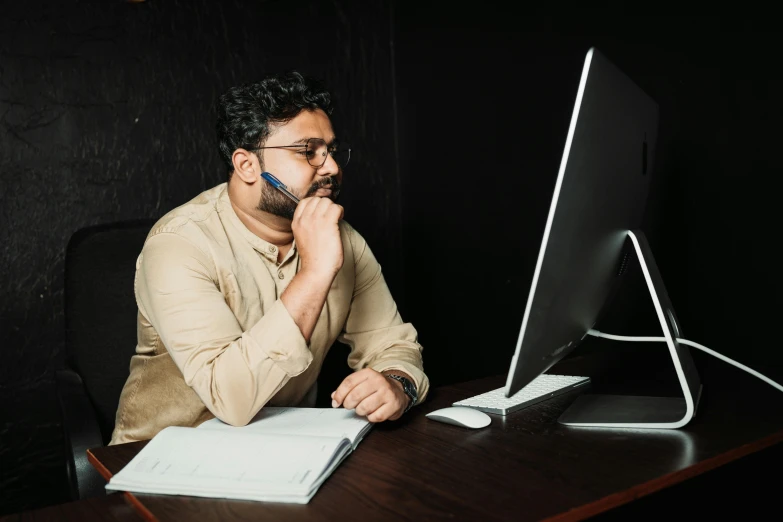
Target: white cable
596, 333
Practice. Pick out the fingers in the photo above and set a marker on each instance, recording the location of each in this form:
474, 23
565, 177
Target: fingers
348, 384
337, 211
371, 395
370, 403
359, 393
318, 208
300, 208
304, 210
387, 411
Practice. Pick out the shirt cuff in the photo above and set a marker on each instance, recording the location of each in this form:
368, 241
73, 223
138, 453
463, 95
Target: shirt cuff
281, 340
420, 380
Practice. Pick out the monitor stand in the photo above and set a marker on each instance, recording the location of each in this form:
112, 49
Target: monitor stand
623, 411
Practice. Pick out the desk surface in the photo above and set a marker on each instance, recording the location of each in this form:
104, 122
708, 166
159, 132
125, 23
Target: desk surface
522, 467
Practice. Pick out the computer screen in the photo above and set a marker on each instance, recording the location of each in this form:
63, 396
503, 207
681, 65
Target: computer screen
599, 197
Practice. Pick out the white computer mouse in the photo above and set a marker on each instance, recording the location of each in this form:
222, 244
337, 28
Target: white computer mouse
461, 416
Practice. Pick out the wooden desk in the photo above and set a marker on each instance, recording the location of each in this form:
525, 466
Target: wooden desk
522, 467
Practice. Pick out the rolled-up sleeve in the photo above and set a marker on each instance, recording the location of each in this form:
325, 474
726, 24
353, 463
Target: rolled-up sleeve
234, 372
375, 332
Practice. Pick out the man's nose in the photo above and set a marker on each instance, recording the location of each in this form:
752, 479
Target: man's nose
330, 167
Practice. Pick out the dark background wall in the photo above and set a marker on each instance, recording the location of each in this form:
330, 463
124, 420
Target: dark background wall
485, 103
106, 115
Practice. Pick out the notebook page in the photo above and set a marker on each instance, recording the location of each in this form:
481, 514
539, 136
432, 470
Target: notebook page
229, 464
328, 422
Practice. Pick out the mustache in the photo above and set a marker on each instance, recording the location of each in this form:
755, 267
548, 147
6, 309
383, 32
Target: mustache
330, 182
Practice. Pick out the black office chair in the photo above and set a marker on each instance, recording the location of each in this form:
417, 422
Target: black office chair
100, 338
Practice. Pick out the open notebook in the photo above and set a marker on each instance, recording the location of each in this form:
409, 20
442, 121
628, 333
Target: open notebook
282, 455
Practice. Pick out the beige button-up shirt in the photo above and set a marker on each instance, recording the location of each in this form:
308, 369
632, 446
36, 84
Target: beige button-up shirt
214, 339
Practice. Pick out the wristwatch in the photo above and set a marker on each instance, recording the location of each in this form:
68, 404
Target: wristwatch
408, 387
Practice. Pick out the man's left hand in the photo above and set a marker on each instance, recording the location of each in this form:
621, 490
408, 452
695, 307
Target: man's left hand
372, 395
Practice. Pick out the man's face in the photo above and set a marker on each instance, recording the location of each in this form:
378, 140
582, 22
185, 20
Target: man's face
290, 165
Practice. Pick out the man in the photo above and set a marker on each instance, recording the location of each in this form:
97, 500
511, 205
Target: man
241, 292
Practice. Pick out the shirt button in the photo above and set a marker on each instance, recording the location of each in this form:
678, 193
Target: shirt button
272, 248
281, 275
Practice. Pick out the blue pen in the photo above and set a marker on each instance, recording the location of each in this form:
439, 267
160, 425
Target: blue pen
279, 186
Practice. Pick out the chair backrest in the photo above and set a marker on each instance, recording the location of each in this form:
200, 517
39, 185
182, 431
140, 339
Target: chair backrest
100, 311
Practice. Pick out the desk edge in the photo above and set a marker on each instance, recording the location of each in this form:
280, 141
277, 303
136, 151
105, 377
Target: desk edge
645, 488
129, 497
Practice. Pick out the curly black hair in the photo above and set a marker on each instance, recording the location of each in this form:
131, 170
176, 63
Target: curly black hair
245, 112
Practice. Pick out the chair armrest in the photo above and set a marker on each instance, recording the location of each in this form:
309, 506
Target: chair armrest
81, 431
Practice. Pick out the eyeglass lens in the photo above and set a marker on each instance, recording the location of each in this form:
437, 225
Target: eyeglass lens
317, 151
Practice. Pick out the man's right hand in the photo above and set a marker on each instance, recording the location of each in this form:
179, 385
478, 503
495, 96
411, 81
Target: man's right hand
317, 235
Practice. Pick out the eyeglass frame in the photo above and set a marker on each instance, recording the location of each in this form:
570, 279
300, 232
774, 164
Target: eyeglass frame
304, 146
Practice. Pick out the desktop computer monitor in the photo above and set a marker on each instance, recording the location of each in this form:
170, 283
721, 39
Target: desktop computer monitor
597, 208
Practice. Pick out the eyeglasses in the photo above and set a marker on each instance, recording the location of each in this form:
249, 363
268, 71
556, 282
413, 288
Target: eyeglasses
316, 150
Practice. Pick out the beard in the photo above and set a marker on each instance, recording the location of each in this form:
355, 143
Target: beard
275, 202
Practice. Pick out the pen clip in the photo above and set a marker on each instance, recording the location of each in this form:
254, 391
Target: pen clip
269, 177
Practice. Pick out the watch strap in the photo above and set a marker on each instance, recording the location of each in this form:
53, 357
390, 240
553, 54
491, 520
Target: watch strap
408, 387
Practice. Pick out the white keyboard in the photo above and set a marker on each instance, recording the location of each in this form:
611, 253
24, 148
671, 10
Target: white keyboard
539, 389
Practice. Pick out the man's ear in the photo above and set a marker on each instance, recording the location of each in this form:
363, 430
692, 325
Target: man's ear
246, 166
